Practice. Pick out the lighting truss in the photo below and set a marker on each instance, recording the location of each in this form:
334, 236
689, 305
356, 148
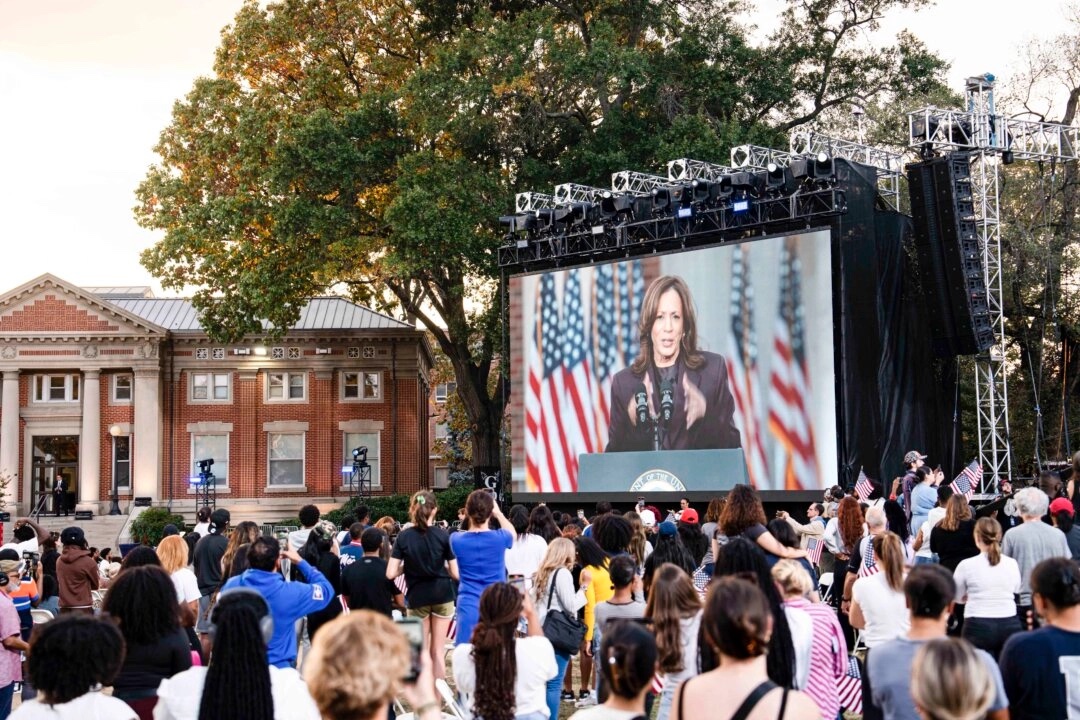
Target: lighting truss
573, 193
532, 201
685, 169
888, 165
636, 183
729, 221
758, 158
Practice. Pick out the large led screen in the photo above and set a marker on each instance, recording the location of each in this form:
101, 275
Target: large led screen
722, 347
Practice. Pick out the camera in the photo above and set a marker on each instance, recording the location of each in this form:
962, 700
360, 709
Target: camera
32, 559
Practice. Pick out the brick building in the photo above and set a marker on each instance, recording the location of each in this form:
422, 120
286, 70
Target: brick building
105, 386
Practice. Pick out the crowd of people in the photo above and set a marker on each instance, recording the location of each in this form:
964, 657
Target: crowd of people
889, 607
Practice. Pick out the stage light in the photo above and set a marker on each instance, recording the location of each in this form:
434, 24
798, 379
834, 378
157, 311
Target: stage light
776, 179
613, 206
684, 212
547, 217
823, 167
740, 206
661, 200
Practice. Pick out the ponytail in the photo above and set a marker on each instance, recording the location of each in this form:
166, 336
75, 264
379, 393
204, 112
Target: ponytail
988, 533
422, 509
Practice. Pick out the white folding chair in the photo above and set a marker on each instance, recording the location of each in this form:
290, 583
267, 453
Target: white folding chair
40, 615
450, 703
825, 587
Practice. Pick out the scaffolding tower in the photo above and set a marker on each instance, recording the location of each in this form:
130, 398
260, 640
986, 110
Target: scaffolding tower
992, 140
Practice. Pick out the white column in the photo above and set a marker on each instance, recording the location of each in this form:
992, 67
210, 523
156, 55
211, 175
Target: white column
146, 463
90, 440
9, 433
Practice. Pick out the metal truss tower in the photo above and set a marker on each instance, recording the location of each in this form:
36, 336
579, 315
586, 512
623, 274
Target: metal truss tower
992, 140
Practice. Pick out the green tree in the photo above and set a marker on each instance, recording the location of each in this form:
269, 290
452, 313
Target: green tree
369, 146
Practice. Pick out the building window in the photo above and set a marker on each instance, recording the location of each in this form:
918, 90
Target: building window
121, 465
286, 459
360, 385
442, 477
121, 389
444, 390
211, 446
56, 388
371, 442
442, 430
210, 387
286, 386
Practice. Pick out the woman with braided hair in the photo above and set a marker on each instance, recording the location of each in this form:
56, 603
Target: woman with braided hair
514, 671
236, 685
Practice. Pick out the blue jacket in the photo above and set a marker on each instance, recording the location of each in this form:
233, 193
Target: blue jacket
288, 601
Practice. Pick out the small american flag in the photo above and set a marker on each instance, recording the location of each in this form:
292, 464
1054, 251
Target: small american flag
863, 486
813, 550
968, 479
451, 629
658, 683
869, 565
849, 687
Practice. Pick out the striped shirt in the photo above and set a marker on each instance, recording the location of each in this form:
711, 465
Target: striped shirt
828, 656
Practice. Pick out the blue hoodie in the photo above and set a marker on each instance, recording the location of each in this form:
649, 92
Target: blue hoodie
288, 601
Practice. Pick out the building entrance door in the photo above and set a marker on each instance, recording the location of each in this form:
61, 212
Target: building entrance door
55, 473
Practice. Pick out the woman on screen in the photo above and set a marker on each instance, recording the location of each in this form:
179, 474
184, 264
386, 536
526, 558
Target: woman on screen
673, 396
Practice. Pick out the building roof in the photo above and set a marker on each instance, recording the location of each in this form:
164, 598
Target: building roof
321, 313
121, 292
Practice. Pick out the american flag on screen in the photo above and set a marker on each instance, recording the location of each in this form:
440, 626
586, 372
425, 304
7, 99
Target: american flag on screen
849, 687
789, 381
548, 459
968, 479
863, 486
814, 546
579, 421
743, 371
605, 350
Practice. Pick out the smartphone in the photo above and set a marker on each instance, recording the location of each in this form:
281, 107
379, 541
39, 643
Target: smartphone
581, 514
413, 629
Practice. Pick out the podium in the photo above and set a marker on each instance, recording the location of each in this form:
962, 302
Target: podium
661, 471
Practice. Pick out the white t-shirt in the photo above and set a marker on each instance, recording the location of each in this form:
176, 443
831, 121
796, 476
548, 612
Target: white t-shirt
91, 706
535, 666
885, 609
989, 588
202, 528
689, 629
30, 545
802, 638
179, 696
935, 516
186, 584
525, 557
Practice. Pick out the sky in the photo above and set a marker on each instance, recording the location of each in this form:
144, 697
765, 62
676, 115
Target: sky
86, 86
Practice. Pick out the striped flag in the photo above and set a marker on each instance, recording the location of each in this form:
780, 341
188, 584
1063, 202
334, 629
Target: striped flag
814, 547
451, 629
863, 486
606, 351
968, 479
743, 371
789, 380
658, 683
849, 687
548, 455
869, 564
579, 420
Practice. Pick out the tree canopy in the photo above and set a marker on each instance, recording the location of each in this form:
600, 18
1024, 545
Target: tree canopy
371, 146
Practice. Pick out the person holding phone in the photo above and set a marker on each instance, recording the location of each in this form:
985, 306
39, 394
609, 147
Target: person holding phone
515, 671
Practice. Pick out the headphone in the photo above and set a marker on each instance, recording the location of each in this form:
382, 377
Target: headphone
4, 580
243, 595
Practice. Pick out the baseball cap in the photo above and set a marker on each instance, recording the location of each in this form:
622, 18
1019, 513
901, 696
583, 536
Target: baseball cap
648, 517
10, 566
912, 456
73, 535
1062, 505
169, 530
219, 519
668, 528
689, 515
